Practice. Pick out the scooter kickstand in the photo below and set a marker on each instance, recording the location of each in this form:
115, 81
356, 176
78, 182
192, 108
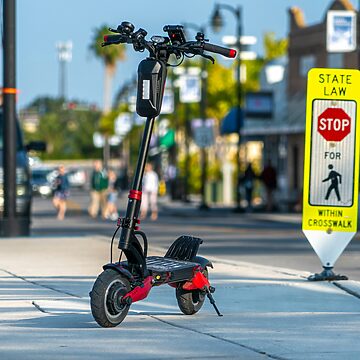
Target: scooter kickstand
211, 299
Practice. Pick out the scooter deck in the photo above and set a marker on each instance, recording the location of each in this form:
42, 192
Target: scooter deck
170, 270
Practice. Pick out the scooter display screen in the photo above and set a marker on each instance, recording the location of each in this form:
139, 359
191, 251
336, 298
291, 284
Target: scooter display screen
176, 33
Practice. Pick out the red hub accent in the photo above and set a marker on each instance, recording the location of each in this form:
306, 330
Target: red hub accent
140, 292
199, 281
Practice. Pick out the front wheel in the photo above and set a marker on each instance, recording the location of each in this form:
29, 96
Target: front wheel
106, 294
191, 301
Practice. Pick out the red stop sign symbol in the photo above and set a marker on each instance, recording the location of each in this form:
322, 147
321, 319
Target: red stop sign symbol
334, 124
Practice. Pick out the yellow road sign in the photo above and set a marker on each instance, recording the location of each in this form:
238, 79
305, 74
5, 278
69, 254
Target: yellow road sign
331, 169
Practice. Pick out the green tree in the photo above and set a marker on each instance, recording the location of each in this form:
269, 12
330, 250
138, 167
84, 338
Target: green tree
109, 55
274, 48
221, 90
68, 132
107, 121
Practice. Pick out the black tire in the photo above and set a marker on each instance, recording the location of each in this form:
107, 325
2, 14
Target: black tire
105, 296
190, 302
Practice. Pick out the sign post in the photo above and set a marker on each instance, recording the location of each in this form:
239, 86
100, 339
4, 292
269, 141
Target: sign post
203, 132
331, 171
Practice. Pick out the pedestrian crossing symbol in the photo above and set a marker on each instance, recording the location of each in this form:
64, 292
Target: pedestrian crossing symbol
335, 180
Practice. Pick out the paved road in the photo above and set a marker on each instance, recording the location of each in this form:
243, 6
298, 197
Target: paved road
274, 240
269, 313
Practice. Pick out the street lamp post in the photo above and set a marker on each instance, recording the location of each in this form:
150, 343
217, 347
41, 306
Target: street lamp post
203, 104
217, 24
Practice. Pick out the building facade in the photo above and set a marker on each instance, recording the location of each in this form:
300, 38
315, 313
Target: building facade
308, 49
283, 136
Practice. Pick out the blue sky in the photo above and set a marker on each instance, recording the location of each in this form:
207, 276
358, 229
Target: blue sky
41, 23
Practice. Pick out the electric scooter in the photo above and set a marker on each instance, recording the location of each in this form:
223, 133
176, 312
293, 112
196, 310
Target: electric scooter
125, 282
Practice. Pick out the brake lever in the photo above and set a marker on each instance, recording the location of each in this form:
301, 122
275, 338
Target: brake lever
208, 57
197, 49
114, 30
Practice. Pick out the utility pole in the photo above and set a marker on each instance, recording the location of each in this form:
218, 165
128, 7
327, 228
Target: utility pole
64, 55
187, 151
186, 100
203, 105
10, 221
217, 23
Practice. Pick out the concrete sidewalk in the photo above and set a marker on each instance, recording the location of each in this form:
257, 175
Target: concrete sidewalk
269, 313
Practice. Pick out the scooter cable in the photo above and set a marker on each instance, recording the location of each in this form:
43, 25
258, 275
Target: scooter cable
112, 242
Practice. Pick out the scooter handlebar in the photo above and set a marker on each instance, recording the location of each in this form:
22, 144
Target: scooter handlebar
230, 53
113, 39
125, 34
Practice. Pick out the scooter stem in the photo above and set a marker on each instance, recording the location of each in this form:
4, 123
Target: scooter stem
143, 153
134, 202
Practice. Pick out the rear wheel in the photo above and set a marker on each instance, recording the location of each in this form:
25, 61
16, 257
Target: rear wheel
191, 301
107, 292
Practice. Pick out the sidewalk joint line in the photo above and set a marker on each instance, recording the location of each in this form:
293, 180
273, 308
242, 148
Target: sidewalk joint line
344, 288
41, 285
275, 357
38, 307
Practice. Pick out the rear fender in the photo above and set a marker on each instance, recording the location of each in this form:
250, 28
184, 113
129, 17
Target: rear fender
203, 262
120, 269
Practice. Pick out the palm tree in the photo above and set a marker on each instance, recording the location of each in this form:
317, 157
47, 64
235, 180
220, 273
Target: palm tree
110, 55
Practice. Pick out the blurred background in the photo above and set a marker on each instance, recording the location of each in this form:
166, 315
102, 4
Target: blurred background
216, 119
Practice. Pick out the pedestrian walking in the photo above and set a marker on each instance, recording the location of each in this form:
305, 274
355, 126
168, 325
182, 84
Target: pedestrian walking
248, 183
150, 192
61, 194
111, 211
99, 188
269, 178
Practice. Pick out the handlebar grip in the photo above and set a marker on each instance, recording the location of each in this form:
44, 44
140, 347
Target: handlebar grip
230, 53
112, 39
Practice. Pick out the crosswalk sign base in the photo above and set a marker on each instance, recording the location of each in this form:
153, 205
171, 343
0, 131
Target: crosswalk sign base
327, 275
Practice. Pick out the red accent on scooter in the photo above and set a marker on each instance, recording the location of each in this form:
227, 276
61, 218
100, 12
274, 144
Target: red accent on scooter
135, 194
140, 292
137, 221
199, 281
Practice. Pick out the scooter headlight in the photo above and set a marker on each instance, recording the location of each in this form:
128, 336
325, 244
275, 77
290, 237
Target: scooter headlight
45, 190
20, 190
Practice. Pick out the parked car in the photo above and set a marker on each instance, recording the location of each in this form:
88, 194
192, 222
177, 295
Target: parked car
23, 188
42, 180
76, 177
